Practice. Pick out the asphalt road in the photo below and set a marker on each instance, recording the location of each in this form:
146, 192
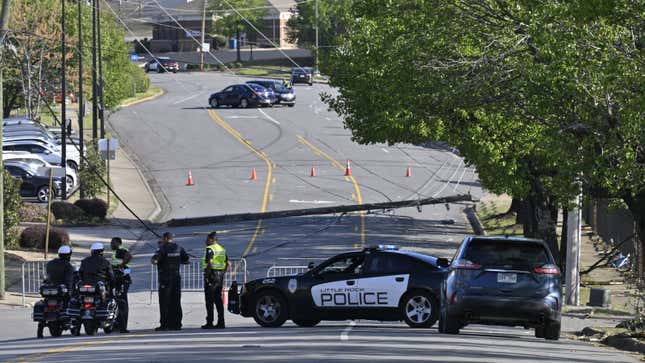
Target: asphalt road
176, 133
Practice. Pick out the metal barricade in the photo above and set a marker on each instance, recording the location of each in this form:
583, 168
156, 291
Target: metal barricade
277, 271
33, 274
192, 276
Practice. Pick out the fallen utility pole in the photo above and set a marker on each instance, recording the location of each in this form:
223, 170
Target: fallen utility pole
316, 211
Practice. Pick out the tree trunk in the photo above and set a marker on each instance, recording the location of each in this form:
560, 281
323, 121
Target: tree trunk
540, 223
636, 205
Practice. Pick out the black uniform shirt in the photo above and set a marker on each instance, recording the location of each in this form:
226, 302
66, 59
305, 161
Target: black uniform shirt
96, 268
169, 257
60, 272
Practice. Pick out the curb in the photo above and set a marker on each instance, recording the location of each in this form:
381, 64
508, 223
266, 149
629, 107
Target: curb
146, 99
476, 224
157, 210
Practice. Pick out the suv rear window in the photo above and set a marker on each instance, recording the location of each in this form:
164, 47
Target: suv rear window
506, 254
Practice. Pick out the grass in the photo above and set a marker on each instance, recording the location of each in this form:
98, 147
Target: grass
266, 71
151, 92
490, 212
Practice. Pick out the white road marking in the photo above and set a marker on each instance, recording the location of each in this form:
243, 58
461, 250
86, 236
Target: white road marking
243, 116
328, 118
385, 150
268, 117
186, 99
344, 336
311, 201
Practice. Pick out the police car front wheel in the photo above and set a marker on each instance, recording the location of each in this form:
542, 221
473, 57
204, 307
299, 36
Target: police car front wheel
420, 309
270, 309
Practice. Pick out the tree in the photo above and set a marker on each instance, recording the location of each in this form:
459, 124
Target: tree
12, 203
332, 19
93, 172
229, 21
536, 95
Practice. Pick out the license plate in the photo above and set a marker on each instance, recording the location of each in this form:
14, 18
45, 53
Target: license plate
52, 302
506, 278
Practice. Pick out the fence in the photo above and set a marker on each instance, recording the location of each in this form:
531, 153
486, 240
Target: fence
277, 271
33, 274
192, 276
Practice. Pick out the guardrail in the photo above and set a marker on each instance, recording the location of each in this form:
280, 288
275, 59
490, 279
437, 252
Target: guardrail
33, 274
277, 271
192, 276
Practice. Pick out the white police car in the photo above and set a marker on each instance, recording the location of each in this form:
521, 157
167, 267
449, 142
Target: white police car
378, 283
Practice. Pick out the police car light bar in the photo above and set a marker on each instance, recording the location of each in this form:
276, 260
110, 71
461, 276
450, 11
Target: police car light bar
382, 247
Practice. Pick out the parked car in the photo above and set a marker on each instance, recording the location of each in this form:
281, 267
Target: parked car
33, 184
302, 75
71, 151
36, 162
502, 281
283, 95
241, 95
45, 151
377, 283
162, 64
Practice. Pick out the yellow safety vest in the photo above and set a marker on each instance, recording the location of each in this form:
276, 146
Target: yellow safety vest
118, 261
219, 257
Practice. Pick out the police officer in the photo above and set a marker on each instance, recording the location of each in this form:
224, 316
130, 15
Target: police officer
95, 267
59, 270
286, 83
120, 262
168, 258
215, 263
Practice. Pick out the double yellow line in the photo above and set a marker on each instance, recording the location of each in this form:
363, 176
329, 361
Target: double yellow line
262, 156
337, 164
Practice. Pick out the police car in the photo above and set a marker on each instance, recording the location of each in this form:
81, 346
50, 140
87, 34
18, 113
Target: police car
379, 283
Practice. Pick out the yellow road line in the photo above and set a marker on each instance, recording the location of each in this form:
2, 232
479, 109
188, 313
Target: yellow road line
236, 134
337, 164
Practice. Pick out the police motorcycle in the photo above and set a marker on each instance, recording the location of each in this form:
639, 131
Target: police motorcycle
122, 284
51, 311
93, 307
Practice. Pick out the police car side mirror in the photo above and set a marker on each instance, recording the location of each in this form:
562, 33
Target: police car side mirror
443, 262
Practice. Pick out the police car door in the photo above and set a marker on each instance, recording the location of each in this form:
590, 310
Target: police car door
384, 280
335, 289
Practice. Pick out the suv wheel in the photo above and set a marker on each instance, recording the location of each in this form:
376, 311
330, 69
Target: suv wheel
539, 332
448, 325
43, 194
420, 309
244, 103
269, 309
214, 103
552, 330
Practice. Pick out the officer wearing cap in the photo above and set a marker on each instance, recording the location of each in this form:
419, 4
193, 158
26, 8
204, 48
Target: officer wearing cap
95, 267
59, 270
168, 259
214, 264
120, 263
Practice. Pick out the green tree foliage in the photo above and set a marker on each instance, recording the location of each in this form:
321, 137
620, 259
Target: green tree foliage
228, 21
534, 94
12, 201
34, 62
333, 15
93, 172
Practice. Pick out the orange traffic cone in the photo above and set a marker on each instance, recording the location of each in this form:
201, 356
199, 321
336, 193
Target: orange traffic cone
313, 172
408, 172
254, 175
190, 178
348, 170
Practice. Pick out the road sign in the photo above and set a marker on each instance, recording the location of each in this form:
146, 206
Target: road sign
206, 47
108, 144
59, 172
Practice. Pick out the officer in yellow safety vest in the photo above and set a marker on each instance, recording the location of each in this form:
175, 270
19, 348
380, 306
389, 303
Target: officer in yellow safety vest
120, 266
215, 263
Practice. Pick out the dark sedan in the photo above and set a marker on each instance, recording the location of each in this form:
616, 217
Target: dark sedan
33, 185
284, 95
302, 75
242, 95
378, 283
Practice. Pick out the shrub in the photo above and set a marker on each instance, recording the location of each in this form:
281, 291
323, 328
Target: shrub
219, 41
34, 237
12, 238
91, 183
68, 212
93, 207
29, 212
12, 201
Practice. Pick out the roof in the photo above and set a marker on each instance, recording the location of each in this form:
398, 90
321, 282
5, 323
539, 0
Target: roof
507, 238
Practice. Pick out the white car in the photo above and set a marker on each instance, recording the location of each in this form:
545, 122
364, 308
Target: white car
49, 153
72, 155
71, 179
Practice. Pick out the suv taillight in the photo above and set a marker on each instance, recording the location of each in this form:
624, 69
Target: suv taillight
466, 265
547, 270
